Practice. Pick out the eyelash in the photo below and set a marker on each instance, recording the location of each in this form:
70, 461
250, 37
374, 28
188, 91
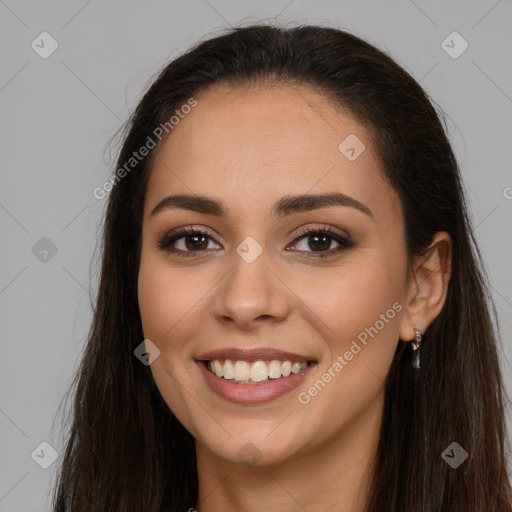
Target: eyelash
344, 242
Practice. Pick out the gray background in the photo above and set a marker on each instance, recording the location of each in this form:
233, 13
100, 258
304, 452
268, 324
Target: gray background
58, 114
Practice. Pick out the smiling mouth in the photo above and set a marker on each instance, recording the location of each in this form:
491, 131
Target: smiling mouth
255, 372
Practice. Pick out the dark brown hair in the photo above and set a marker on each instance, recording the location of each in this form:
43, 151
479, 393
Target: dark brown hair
126, 451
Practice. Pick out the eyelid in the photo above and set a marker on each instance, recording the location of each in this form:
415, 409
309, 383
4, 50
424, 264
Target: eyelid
329, 228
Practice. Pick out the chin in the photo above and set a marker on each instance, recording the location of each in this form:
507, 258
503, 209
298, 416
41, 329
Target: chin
253, 447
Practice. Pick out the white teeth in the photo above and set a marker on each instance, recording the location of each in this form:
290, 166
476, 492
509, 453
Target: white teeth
296, 368
242, 370
217, 368
258, 371
227, 369
274, 369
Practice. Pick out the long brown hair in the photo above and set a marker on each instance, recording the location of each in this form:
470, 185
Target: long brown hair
125, 449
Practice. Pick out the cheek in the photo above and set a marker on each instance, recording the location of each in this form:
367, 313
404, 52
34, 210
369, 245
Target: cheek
171, 308
169, 304
349, 298
359, 305
169, 300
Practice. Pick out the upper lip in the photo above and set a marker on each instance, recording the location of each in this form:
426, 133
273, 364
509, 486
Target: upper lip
252, 354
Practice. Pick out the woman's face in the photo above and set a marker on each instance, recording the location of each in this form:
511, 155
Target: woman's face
256, 296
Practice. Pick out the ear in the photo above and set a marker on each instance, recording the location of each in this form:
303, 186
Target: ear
427, 286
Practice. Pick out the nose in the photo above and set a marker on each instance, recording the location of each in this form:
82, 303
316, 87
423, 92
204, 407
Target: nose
251, 293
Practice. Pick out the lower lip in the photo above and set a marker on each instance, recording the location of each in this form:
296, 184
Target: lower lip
252, 393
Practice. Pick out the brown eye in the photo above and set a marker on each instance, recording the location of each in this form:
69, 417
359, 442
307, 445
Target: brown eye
193, 242
318, 242
186, 242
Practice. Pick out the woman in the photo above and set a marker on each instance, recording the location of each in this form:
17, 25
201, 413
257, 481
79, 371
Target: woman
292, 312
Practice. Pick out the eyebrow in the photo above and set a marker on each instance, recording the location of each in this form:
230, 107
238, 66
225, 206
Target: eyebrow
285, 206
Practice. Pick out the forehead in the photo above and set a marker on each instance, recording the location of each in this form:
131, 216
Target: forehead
252, 145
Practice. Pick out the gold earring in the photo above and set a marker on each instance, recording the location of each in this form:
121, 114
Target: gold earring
415, 345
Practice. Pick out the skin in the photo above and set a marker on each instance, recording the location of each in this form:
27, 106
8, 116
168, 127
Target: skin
249, 147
